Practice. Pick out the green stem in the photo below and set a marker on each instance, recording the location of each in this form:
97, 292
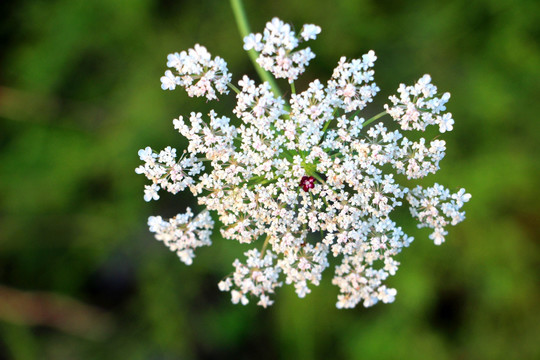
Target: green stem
235, 89
328, 122
293, 88
326, 127
264, 246
243, 27
379, 115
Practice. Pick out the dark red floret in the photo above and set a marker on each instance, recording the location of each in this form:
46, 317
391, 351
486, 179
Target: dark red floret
307, 182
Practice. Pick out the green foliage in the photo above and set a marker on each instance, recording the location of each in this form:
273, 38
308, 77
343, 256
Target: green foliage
80, 94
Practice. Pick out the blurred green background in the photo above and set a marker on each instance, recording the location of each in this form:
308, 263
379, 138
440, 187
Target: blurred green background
82, 278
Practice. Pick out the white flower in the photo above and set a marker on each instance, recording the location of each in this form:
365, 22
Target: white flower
146, 154
387, 295
369, 59
169, 81
300, 179
174, 60
446, 123
253, 41
151, 192
461, 197
310, 32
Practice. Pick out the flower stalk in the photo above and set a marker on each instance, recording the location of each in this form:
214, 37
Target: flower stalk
243, 27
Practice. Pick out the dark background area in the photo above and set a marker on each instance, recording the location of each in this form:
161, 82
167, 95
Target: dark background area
82, 278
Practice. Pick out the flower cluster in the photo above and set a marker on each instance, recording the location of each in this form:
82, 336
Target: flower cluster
303, 176
277, 47
436, 208
197, 72
423, 109
183, 233
352, 82
258, 278
166, 172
